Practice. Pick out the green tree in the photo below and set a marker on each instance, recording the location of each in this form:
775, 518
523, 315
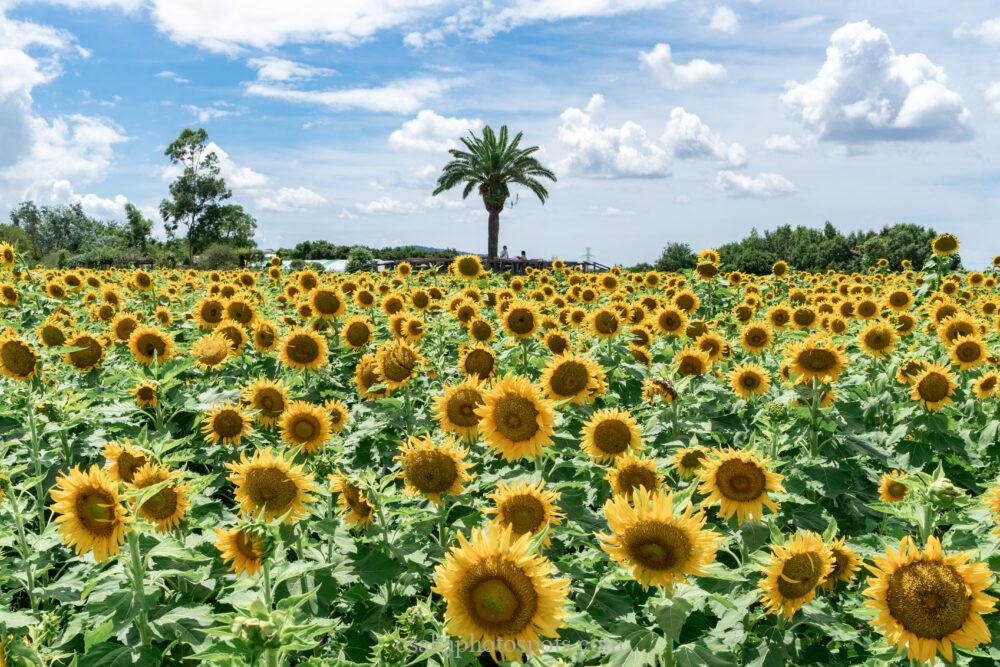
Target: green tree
676, 257
138, 228
360, 258
490, 164
196, 195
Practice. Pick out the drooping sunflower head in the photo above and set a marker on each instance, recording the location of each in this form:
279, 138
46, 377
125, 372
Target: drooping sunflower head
338, 413
927, 601
305, 425
433, 469
631, 473
302, 349
354, 503
226, 424
499, 594
740, 483
660, 547
658, 388
18, 360
271, 484
986, 385
455, 410
166, 508
910, 370
846, 563
794, 571
89, 512
397, 362
749, 380
123, 460
572, 377
610, 433
526, 507
514, 420
242, 548
688, 461
211, 350
366, 376
146, 393
934, 387
88, 354
893, 487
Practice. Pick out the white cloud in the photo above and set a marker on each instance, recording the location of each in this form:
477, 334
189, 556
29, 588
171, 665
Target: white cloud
698, 72
126, 5
94, 205
682, 200
782, 143
597, 151
231, 26
347, 215
171, 76
291, 199
485, 21
866, 91
385, 206
759, 186
405, 96
987, 32
432, 132
687, 137
439, 202
272, 68
615, 212
206, 114
420, 40
724, 19
993, 96
802, 22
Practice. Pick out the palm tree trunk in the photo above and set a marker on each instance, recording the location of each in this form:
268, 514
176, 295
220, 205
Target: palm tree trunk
494, 234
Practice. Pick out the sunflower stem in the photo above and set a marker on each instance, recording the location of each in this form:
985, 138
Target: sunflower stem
29, 572
36, 461
266, 584
138, 578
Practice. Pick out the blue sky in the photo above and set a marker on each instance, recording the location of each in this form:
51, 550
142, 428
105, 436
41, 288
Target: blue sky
685, 120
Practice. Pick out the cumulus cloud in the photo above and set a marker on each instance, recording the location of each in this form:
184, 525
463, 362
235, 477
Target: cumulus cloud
993, 96
291, 199
697, 72
687, 137
442, 203
866, 92
432, 132
759, 186
598, 151
987, 32
724, 19
782, 143
171, 76
272, 68
385, 206
94, 205
405, 96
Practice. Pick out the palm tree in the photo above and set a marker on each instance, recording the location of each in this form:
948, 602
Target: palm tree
491, 163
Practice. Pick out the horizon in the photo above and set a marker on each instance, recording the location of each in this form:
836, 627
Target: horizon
665, 121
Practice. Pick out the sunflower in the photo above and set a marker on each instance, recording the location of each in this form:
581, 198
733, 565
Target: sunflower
226, 424
432, 469
661, 548
521, 319
610, 433
631, 473
18, 360
794, 571
749, 380
366, 376
338, 413
239, 547
302, 349
892, 487
90, 513
122, 326
268, 398
527, 508
354, 503
305, 425
7, 255
671, 321
692, 361
945, 245
756, 337
167, 506
147, 343
604, 323
265, 336
480, 330
877, 339
514, 420
933, 387
211, 350
455, 410
123, 460
466, 267
815, 357
992, 501
396, 363
910, 370
572, 377
89, 354
271, 484
968, 352
327, 303
927, 601
986, 384
499, 596
688, 461
145, 393
846, 563
357, 332
656, 387
739, 482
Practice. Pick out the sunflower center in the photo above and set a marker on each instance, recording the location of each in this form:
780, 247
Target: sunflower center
430, 471
17, 358
399, 364
521, 321
479, 363
499, 596
355, 500
817, 360
692, 460
302, 349
146, 393
270, 488
606, 322
149, 344
612, 436
95, 510
740, 481
326, 302
968, 351
358, 334
88, 356
305, 427
929, 599
691, 365
462, 407
524, 513
516, 418
244, 543
799, 575
897, 489
756, 338
468, 267
750, 380
632, 477
933, 387
162, 505
657, 545
569, 378
128, 464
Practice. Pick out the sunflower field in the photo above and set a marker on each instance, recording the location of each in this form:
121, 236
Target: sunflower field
464, 468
